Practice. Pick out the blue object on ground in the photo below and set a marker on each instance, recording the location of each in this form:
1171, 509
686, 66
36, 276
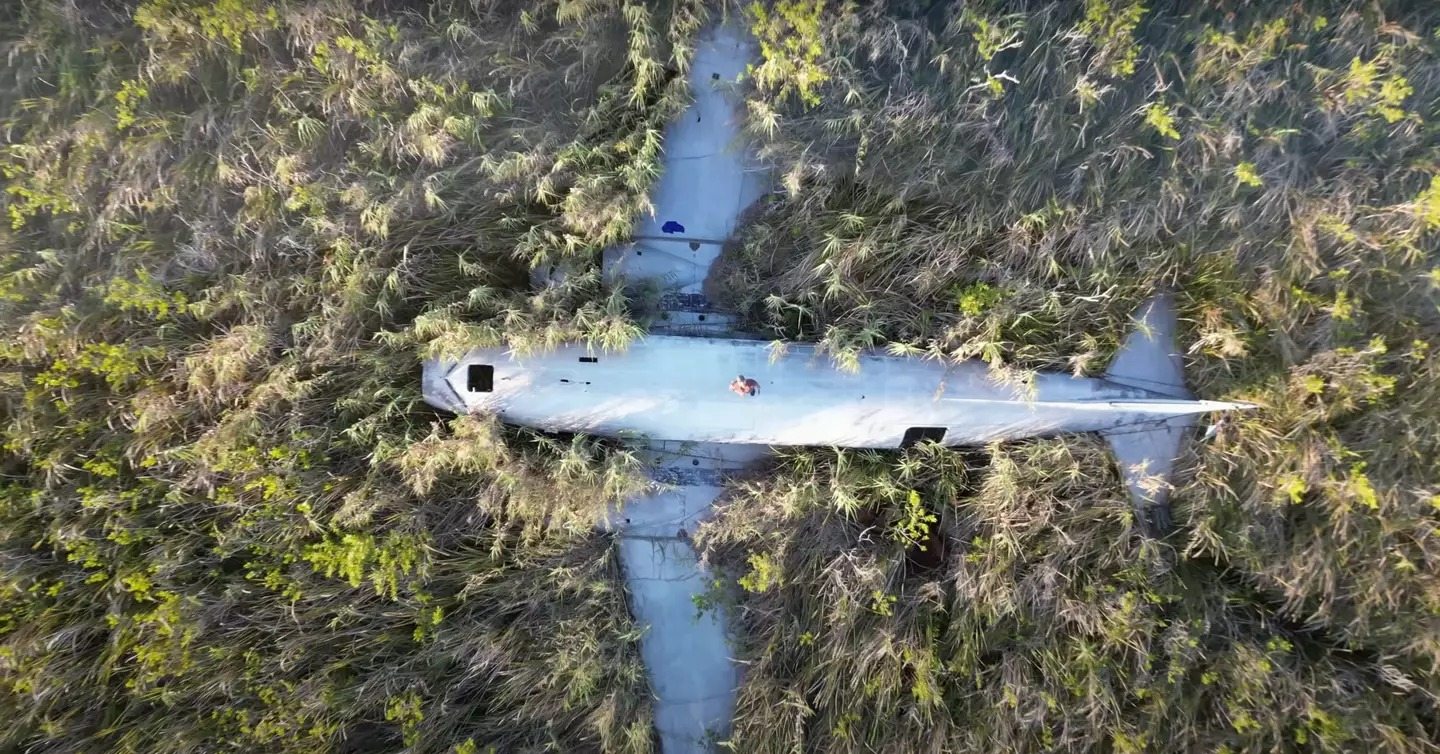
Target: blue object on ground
671, 226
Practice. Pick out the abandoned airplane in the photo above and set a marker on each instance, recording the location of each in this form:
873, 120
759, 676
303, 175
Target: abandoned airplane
667, 393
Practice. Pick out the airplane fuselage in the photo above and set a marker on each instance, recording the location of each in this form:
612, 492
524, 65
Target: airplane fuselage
676, 388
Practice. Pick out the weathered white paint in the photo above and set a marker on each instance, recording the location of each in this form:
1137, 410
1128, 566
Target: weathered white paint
685, 649
675, 388
710, 177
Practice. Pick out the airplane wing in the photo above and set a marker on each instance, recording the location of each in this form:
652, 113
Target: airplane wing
710, 177
686, 650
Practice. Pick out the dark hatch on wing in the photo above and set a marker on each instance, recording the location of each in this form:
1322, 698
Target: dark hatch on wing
916, 435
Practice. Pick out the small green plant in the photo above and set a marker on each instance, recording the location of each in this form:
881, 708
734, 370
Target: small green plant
131, 95
1247, 175
1159, 117
764, 574
882, 603
1361, 487
355, 557
978, 298
993, 36
405, 709
25, 202
709, 599
145, 294
1427, 205
791, 46
225, 21
1383, 94
468, 746
913, 526
1112, 31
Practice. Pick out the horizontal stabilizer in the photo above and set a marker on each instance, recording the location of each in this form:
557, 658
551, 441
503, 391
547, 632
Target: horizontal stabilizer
1146, 454
1149, 359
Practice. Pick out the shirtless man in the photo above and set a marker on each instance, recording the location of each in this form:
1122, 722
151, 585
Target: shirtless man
744, 386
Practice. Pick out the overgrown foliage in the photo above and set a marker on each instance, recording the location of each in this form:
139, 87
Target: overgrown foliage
227, 520
231, 228
1008, 181
1021, 612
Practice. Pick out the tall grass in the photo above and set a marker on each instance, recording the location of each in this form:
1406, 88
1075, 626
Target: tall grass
231, 230
1007, 181
1020, 611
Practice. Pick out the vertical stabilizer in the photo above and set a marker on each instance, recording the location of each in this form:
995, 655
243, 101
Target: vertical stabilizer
1149, 359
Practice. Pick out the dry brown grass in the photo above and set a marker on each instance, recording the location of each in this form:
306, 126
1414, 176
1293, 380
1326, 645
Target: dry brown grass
1000, 182
231, 230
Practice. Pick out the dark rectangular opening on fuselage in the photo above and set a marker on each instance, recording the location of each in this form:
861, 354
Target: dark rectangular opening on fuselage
589, 360
480, 378
916, 435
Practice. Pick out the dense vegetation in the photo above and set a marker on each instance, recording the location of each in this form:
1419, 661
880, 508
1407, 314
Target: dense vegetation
231, 229
1007, 181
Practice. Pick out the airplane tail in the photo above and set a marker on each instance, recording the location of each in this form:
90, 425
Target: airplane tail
1146, 453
